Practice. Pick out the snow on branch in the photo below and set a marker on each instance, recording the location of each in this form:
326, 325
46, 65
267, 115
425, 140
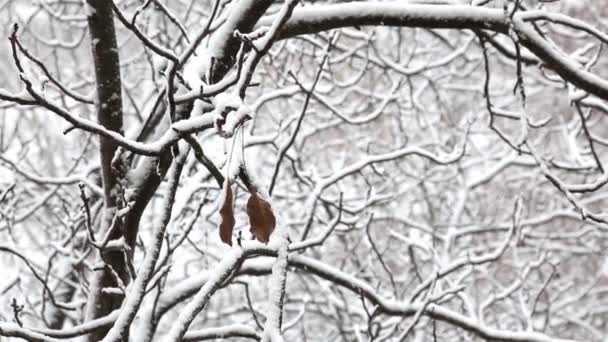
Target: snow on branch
276, 289
220, 273
14, 330
232, 330
137, 290
318, 18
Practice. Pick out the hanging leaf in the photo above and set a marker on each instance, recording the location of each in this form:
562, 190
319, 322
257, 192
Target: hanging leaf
261, 217
227, 214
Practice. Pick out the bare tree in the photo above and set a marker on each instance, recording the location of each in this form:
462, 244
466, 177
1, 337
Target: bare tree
245, 169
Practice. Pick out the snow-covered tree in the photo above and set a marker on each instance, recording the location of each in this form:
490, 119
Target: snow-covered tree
423, 170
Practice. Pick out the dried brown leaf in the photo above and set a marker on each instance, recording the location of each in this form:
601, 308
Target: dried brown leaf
227, 220
261, 217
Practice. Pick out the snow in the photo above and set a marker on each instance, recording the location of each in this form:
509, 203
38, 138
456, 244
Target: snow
159, 63
323, 17
229, 111
23, 94
199, 301
88, 9
193, 124
196, 69
233, 119
225, 101
276, 291
231, 330
197, 108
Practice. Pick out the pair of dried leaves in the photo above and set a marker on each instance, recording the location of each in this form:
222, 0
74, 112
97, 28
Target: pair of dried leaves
261, 217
